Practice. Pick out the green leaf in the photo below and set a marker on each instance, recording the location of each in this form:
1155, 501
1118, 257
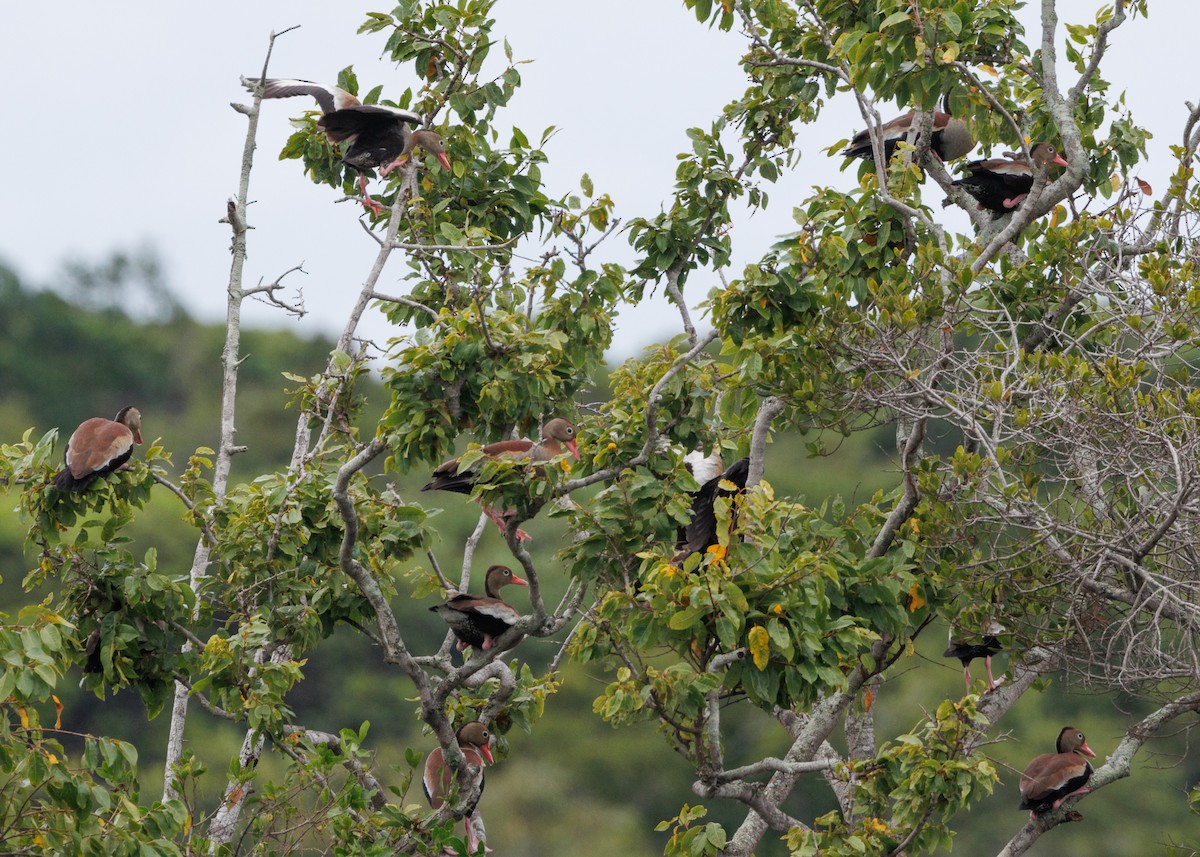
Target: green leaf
760, 646
685, 618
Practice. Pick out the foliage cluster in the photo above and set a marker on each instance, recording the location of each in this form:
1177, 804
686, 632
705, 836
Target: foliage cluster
1057, 354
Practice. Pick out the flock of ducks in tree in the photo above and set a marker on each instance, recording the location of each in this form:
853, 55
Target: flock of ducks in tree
998, 185
381, 136
99, 447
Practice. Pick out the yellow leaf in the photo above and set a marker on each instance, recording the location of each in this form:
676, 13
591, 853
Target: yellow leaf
24, 718
868, 699
58, 707
52, 759
990, 70
718, 552
951, 53
1059, 215
916, 599
1115, 181
760, 646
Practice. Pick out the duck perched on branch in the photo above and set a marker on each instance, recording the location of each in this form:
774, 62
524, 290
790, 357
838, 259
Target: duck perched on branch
379, 136
98, 447
438, 780
968, 650
1051, 778
701, 531
1001, 184
949, 138
558, 435
476, 621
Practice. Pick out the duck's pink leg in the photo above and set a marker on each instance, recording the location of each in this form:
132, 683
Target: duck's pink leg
1015, 201
367, 202
394, 165
501, 523
1082, 790
472, 839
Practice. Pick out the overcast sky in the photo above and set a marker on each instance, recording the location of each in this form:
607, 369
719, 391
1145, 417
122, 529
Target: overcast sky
119, 133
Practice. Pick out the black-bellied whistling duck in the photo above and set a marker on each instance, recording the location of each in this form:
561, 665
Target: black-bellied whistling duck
701, 531
949, 138
98, 447
1051, 778
558, 434
379, 136
438, 780
967, 651
1001, 184
479, 621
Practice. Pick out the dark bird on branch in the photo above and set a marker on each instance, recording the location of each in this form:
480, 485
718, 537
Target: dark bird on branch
701, 530
477, 621
949, 138
557, 435
1051, 778
967, 651
98, 447
378, 135
1001, 184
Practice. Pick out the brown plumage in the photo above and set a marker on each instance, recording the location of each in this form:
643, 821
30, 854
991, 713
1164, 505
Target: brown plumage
438, 780
949, 138
557, 435
97, 448
379, 136
477, 621
1001, 184
1051, 778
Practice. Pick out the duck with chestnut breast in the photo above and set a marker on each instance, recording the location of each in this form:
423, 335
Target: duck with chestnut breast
476, 621
378, 135
968, 650
1051, 778
701, 531
949, 138
438, 780
98, 447
557, 435
1001, 184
